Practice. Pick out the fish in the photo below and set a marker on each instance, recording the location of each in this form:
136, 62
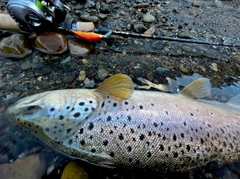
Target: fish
115, 126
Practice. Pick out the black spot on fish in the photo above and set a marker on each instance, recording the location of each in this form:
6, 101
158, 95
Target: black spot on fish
149, 154
111, 132
141, 107
61, 117
164, 137
184, 123
132, 130
81, 131
70, 142
93, 150
129, 148
68, 107
59, 131
149, 133
188, 148
174, 137
161, 147
47, 129
76, 114
105, 142
202, 141
191, 114
62, 124
175, 154
120, 136
72, 109
81, 104
209, 125
221, 130
90, 102
29, 125
103, 104
52, 109
169, 148
152, 104
126, 103
55, 127
86, 109
182, 135
90, 127
114, 104
155, 124
109, 118
196, 130
148, 143
92, 108
111, 154
141, 137
91, 137
167, 112
82, 142
134, 139
129, 118
69, 130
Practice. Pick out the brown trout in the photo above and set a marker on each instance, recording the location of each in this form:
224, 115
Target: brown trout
115, 126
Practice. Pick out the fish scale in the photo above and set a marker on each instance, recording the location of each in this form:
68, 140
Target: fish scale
140, 129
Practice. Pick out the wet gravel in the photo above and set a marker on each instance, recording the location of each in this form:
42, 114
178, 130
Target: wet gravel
151, 59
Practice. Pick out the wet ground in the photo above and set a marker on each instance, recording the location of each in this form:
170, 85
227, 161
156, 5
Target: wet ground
153, 60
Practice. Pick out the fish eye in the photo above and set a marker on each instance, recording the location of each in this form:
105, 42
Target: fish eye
31, 109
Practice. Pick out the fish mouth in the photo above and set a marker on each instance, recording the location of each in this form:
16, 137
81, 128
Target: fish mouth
24, 105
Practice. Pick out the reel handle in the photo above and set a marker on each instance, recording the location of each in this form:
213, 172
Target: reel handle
7, 23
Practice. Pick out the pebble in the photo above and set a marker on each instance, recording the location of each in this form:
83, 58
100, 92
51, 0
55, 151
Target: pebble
85, 61
148, 18
139, 28
105, 8
69, 79
45, 71
214, 66
183, 69
51, 43
2, 84
79, 48
15, 46
89, 83
162, 69
88, 18
26, 65
102, 16
82, 75
102, 74
31, 167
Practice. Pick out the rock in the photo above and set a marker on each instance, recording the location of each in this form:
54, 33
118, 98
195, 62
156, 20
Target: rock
148, 18
105, 8
31, 167
88, 18
183, 69
68, 79
162, 69
45, 71
15, 46
82, 75
25, 65
102, 74
139, 28
51, 43
2, 84
214, 66
89, 83
78, 48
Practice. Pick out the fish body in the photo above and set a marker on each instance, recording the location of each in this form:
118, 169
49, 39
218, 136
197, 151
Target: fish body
140, 129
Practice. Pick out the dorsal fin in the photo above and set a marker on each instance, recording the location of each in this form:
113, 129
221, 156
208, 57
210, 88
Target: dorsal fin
235, 101
197, 89
119, 86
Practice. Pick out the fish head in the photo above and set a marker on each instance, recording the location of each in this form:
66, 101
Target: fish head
55, 115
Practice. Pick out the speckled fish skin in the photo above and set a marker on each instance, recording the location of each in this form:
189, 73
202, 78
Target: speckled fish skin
151, 130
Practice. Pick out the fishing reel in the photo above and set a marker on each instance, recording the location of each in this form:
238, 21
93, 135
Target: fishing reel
37, 15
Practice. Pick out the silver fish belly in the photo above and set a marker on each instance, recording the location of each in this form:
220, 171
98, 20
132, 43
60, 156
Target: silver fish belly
111, 127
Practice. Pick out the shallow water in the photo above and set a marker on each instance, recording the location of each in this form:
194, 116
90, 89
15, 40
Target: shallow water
150, 59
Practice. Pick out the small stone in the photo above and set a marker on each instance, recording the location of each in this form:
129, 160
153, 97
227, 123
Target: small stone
45, 71
89, 83
2, 84
26, 65
105, 8
78, 48
44, 85
102, 16
88, 18
214, 66
84, 61
139, 28
162, 69
195, 3
51, 43
82, 75
15, 46
68, 79
183, 69
148, 18
102, 74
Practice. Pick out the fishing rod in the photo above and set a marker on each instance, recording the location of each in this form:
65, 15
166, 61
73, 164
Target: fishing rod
36, 16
